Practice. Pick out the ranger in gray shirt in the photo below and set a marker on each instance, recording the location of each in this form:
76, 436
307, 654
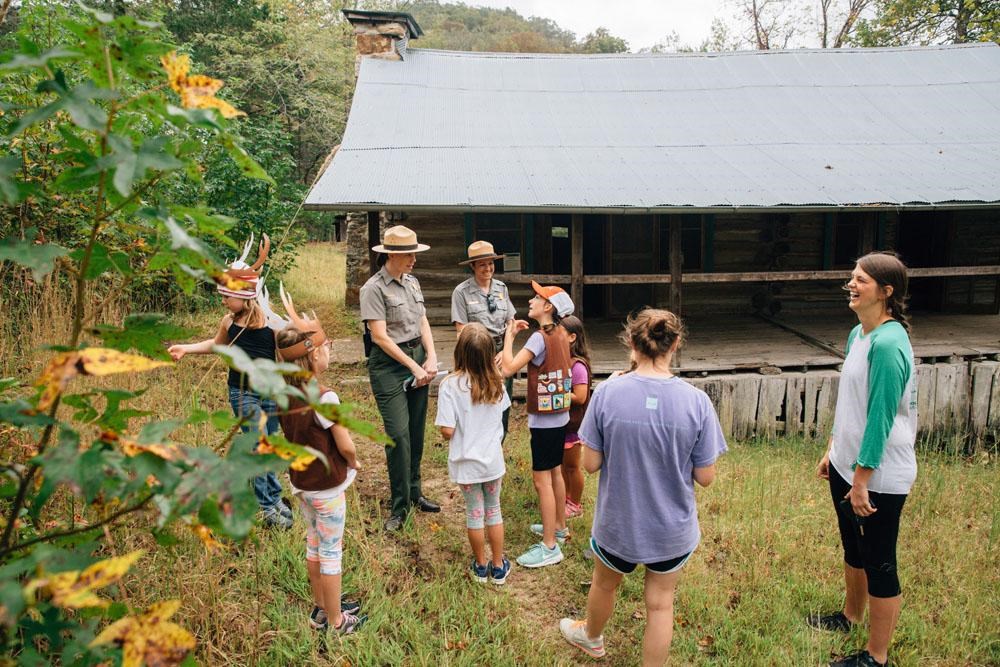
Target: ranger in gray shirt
485, 300
401, 366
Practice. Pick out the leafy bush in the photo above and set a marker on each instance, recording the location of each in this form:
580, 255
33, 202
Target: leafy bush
103, 131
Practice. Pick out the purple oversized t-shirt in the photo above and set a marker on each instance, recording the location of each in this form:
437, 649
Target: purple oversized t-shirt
653, 432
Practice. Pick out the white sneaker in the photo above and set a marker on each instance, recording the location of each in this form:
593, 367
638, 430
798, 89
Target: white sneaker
575, 632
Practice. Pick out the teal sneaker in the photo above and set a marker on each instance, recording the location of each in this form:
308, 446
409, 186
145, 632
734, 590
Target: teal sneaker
561, 533
540, 555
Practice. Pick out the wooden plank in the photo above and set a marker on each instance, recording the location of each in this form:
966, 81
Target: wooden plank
993, 421
951, 397
720, 392
926, 390
811, 390
772, 276
576, 252
804, 336
826, 404
746, 390
676, 264
983, 373
708, 241
772, 397
794, 388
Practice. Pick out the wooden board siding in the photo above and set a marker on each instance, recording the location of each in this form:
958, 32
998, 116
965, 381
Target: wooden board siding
974, 241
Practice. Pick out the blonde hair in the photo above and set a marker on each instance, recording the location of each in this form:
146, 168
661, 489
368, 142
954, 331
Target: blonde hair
474, 354
252, 315
286, 338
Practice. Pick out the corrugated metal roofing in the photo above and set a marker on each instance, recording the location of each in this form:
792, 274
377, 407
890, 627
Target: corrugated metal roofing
451, 130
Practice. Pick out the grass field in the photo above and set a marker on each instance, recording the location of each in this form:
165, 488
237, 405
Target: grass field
769, 556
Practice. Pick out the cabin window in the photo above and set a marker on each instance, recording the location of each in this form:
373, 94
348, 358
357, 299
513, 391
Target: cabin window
849, 235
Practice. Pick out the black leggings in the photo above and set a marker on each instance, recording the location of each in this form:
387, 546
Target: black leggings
870, 542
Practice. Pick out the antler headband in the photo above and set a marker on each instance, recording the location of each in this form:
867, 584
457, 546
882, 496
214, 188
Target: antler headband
315, 336
248, 273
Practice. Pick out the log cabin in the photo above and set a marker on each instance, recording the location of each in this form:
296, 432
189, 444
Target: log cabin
736, 189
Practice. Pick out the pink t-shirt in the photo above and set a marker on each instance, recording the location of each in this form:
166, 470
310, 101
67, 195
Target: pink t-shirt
578, 373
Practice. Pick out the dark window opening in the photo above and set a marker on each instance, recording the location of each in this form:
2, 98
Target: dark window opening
503, 230
692, 244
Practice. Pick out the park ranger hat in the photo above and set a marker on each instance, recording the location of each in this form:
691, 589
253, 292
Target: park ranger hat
398, 240
481, 250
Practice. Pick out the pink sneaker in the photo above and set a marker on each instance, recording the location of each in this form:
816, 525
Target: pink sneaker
573, 510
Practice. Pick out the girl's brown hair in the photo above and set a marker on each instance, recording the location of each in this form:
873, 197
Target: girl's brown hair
474, 354
579, 347
653, 332
286, 338
888, 270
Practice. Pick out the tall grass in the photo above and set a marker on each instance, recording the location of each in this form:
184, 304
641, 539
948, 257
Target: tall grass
769, 556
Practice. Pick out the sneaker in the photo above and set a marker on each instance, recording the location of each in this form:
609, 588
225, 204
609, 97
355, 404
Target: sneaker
573, 510
285, 508
575, 632
588, 553
273, 518
498, 575
349, 623
318, 619
349, 606
540, 555
859, 659
561, 533
479, 572
832, 622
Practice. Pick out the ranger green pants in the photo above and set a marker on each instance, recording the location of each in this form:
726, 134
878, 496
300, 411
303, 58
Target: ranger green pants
404, 414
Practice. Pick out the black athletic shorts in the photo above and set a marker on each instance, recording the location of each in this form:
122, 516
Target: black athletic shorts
870, 542
547, 447
622, 566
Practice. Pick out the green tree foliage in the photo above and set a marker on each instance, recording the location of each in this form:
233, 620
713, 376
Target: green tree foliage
101, 129
902, 22
602, 41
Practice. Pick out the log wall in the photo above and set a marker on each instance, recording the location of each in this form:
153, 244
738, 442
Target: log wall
952, 398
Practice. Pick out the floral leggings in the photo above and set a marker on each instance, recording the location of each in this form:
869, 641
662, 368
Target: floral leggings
324, 530
482, 503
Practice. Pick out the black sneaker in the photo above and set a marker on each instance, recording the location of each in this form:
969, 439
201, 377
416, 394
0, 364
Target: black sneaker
350, 606
832, 622
859, 659
317, 619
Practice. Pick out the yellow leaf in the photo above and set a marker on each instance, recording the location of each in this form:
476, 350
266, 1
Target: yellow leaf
102, 361
177, 68
167, 452
57, 374
225, 108
299, 457
75, 589
204, 534
229, 282
150, 638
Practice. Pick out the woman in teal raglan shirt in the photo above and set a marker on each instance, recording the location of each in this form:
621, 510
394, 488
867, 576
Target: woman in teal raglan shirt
871, 463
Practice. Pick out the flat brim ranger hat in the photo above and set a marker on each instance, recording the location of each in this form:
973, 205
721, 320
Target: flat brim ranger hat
398, 240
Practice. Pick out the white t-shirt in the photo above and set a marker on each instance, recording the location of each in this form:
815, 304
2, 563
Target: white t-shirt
328, 397
474, 454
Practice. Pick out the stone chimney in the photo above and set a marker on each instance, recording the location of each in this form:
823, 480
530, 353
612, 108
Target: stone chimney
382, 34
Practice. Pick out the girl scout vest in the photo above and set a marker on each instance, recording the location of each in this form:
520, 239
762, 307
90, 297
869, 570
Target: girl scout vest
576, 412
551, 385
301, 428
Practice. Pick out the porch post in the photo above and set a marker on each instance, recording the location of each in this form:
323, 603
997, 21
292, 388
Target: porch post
676, 262
373, 240
576, 245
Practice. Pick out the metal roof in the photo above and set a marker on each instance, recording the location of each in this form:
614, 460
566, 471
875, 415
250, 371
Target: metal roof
627, 133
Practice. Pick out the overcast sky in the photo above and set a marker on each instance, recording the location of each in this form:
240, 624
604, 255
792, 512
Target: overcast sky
642, 23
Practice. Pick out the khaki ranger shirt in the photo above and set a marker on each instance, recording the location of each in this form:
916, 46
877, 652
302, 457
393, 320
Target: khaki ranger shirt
399, 303
468, 304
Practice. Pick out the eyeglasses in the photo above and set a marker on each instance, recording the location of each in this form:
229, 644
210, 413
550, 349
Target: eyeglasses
491, 303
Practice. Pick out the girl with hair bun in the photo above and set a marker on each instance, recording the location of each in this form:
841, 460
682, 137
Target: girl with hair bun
652, 436
871, 464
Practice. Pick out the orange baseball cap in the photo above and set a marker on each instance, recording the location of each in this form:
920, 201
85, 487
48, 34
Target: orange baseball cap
556, 296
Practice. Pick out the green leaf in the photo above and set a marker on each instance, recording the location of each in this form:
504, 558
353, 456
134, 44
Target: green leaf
341, 414
33, 61
131, 165
248, 166
21, 413
39, 257
266, 377
85, 410
144, 333
9, 189
199, 117
114, 418
7, 383
101, 260
157, 432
